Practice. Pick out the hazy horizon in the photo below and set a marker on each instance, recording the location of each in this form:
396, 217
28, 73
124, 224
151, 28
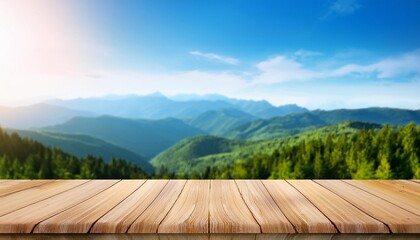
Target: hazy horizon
316, 54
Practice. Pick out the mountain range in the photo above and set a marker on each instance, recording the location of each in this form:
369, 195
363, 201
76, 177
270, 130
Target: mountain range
185, 131
143, 137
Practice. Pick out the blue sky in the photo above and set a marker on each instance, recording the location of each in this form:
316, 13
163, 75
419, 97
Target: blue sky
319, 53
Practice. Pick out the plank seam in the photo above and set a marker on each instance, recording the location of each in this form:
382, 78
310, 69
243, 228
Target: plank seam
294, 227
23, 189
208, 203
355, 205
91, 226
381, 198
415, 180
183, 187
35, 225
32, 203
129, 226
336, 228
243, 199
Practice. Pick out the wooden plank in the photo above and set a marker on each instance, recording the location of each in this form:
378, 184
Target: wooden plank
9, 183
13, 186
263, 207
304, 216
80, 218
397, 196
119, 219
25, 219
190, 213
17, 200
403, 185
149, 220
397, 219
346, 217
65, 236
228, 211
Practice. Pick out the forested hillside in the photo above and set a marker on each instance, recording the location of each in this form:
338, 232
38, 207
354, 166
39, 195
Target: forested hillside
341, 151
23, 158
82, 145
296, 123
367, 154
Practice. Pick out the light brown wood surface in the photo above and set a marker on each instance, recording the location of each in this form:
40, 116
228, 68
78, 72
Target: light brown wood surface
190, 213
305, 217
216, 208
150, 219
120, 218
81, 217
263, 207
13, 202
346, 217
25, 219
228, 211
390, 193
404, 185
396, 218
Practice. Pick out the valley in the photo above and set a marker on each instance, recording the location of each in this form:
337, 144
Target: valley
191, 136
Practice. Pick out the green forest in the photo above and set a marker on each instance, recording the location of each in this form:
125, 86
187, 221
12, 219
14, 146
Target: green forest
24, 158
385, 153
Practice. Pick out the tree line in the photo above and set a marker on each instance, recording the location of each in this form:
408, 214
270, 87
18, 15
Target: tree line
24, 158
389, 153
385, 154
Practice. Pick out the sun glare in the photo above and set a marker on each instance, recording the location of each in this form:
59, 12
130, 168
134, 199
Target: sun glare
37, 42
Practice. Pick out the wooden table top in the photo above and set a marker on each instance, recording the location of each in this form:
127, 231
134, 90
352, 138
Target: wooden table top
209, 206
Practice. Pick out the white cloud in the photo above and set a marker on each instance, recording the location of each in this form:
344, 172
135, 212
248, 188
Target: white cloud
284, 69
303, 54
385, 91
408, 63
216, 57
343, 7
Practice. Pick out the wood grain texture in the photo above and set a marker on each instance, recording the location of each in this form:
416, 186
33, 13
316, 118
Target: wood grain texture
228, 211
81, 217
397, 219
397, 196
10, 183
404, 185
346, 217
25, 219
120, 218
190, 213
304, 216
19, 185
218, 207
150, 219
17, 200
263, 207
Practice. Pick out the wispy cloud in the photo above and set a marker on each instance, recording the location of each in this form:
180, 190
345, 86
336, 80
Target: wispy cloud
216, 57
342, 7
285, 69
408, 63
303, 54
